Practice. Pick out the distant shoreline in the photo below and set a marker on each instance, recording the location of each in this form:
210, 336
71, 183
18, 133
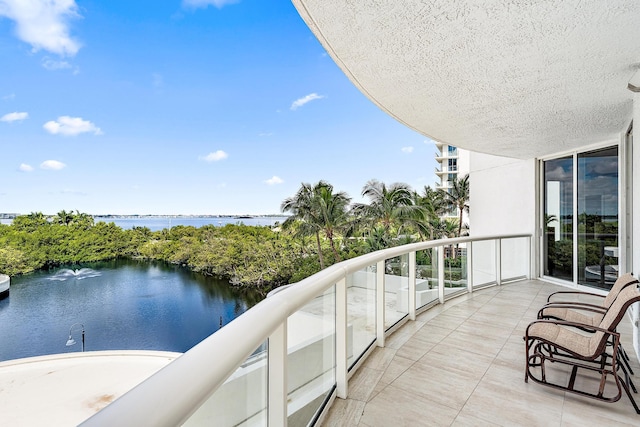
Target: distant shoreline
133, 216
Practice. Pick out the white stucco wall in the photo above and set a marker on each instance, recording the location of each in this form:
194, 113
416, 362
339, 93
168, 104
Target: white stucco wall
502, 195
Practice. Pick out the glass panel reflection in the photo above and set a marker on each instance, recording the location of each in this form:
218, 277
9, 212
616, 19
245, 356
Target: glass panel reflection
396, 289
455, 269
426, 277
515, 258
484, 262
361, 312
311, 357
558, 218
598, 217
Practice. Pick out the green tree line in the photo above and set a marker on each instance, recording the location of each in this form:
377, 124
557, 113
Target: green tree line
324, 228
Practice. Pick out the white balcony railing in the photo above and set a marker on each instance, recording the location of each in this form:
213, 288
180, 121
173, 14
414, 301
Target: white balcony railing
285, 359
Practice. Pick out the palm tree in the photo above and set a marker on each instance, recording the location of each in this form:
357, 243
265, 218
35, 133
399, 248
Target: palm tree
458, 198
63, 217
389, 206
331, 209
317, 209
434, 205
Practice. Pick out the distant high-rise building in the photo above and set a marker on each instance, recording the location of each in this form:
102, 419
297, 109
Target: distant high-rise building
454, 164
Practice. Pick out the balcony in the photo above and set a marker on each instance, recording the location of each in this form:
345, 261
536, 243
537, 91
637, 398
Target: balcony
462, 363
446, 169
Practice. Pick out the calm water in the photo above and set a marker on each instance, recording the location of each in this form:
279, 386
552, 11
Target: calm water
155, 224
122, 304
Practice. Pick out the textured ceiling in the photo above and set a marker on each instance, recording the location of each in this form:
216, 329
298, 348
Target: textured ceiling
519, 78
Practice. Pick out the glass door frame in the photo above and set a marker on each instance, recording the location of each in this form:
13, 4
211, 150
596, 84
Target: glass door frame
624, 206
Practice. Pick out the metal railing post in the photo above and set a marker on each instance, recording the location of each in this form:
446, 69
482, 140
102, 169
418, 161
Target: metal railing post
341, 339
380, 303
277, 377
412, 285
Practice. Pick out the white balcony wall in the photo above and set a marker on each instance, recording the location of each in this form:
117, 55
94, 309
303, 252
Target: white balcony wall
502, 195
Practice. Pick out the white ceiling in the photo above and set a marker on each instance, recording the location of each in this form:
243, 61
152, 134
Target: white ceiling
519, 78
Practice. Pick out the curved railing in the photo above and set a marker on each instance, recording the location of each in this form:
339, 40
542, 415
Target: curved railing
283, 360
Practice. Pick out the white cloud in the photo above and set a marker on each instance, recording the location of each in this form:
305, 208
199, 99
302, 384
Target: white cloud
25, 167
221, 185
215, 156
204, 3
305, 99
71, 126
9, 97
52, 165
14, 117
55, 65
407, 149
274, 180
265, 134
44, 24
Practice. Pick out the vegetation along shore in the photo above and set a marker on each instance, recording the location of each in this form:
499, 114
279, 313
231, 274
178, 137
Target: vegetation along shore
324, 228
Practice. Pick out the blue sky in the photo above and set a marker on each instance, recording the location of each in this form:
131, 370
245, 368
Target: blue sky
182, 107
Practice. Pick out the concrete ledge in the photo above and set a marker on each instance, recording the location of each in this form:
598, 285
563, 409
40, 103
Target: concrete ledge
65, 389
5, 283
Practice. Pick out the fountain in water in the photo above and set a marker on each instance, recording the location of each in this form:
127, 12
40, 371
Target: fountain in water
78, 274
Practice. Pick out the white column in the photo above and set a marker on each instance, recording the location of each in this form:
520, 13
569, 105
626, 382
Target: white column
380, 312
412, 285
277, 405
635, 216
441, 274
499, 261
341, 339
469, 267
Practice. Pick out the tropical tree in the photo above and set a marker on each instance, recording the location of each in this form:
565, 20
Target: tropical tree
63, 217
317, 209
434, 206
457, 197
389, 207
331, 212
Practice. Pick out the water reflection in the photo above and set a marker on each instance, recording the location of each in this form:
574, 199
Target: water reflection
123, 305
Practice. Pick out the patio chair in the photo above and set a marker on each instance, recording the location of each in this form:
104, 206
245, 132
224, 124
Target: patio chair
587, 313
564, 343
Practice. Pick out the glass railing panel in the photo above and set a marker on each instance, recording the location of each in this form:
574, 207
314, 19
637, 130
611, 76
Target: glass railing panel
311, 357
514, 260
455, 269
396, 289
484, 262
361, 312
426, 277
241, 400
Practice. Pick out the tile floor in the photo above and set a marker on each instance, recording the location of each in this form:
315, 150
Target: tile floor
462, 364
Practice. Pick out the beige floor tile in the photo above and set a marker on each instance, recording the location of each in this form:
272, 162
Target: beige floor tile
501, 404
394, 407
396, 368
344, 413
468, 420
380, 358
427, 382
361, 385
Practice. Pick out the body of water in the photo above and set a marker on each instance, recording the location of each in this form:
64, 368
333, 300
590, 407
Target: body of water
158, 223
123, 305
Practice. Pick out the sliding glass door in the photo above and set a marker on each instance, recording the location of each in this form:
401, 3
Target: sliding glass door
558, 218
581, 217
